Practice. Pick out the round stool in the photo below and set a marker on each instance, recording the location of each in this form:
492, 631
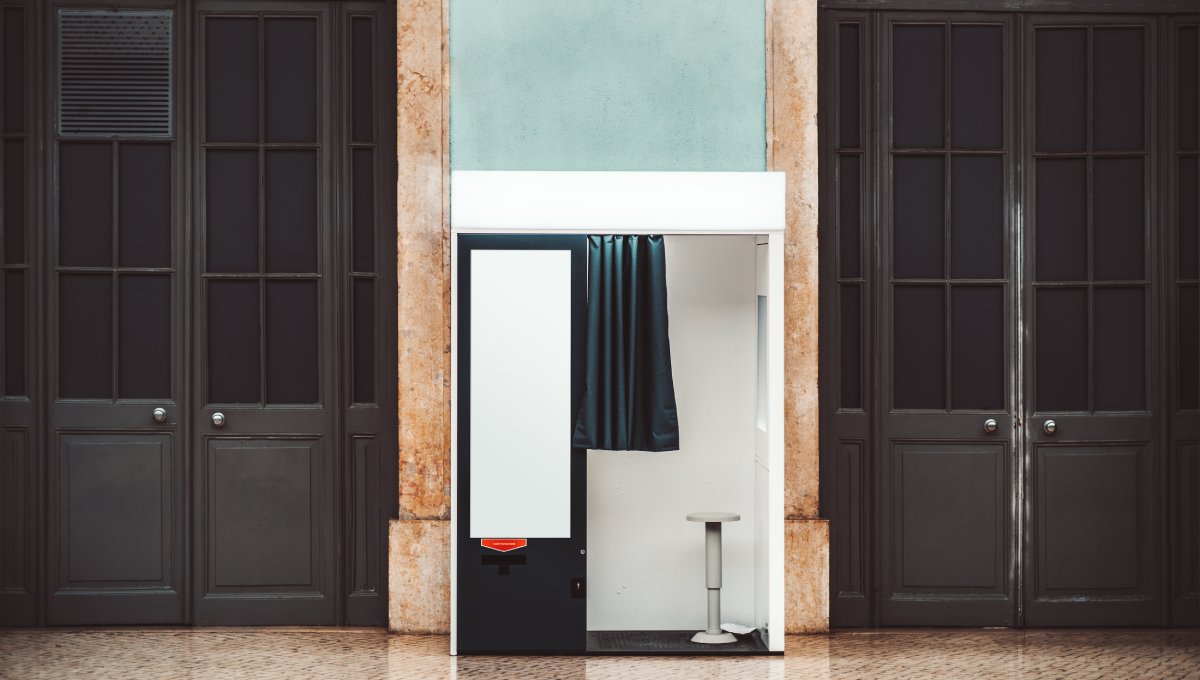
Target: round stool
712, 567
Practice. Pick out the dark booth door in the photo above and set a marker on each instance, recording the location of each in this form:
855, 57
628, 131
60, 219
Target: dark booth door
532, 599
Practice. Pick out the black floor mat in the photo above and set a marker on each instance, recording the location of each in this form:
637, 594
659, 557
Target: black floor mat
667, 642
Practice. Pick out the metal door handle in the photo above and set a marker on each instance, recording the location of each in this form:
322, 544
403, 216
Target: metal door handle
1049, 427
160, 415
218, 419
989, 425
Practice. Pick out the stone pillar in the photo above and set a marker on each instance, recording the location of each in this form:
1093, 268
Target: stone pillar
419, 541
792, 148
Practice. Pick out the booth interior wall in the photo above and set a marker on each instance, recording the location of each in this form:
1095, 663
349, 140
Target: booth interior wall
645, 561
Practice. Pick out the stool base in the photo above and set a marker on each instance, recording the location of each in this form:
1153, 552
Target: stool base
713, 638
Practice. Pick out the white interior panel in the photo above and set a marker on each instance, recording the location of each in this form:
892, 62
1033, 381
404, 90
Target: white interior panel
520, 394
645, 560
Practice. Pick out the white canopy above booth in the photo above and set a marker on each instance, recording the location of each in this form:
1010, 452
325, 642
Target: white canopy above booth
617, 202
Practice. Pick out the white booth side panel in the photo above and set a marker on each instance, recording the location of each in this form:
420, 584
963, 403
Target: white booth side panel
520, 394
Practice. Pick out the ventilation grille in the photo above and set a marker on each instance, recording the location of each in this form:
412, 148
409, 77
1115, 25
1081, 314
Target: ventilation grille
114, 73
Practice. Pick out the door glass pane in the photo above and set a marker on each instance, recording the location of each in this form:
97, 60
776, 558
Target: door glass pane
1118, 89
234, 368
291, 198
1119, 337
848, 84
1061, 89
231, 79
1061, 219
1189, 347
919, 334
14, 333
85, 328
231, 233
1061, 349
1118, 232
363, 207
1189, 219
1189, 88
144, 204
848, 216
918, 92
291, 73
851, 346
977, 87
14, 201
919, 214
292, 366
144, 337
85, 205
977, 347
976, 217
362, 81
14, 69
364, 340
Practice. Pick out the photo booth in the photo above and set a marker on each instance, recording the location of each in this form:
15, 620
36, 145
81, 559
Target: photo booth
562, 549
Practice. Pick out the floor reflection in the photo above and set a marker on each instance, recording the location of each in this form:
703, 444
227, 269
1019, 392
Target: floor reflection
253, 653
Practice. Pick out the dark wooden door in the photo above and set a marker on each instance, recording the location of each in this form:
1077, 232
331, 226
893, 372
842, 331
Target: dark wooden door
1094, 446
946, 466
532, 599
265, 470
218, 323
1008, 196
116, 531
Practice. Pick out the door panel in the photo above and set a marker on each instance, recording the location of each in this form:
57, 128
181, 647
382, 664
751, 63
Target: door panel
117, 551
1093, 534
265, 328
948, 503
263, 517
115, 522
114, 496
946, 481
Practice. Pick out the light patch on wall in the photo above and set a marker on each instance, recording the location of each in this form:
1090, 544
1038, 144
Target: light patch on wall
600, 85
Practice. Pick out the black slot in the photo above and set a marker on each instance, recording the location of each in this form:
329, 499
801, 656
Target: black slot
503, 562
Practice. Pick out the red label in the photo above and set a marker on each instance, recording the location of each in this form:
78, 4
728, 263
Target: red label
504, 544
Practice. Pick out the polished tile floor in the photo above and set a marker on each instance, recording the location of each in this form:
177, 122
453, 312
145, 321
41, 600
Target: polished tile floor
367, 653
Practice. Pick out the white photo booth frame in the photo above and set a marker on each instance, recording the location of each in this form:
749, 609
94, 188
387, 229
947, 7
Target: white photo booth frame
667, 203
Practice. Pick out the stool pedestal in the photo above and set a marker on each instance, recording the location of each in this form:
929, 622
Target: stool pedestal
712, 568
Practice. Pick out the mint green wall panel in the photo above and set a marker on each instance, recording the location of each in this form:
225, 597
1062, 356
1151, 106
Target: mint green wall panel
607, 85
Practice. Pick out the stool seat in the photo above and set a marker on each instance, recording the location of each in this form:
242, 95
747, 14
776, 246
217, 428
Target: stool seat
714, 517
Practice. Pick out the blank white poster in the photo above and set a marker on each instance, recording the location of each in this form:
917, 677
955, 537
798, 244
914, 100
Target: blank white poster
521, 419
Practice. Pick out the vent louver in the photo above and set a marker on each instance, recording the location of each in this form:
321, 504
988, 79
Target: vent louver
114, 73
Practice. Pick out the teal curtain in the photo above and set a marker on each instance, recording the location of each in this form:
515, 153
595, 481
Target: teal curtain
629, 394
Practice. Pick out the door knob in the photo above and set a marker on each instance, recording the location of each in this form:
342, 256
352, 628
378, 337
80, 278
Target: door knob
1049, 427
160, 415
218, 419
989, 425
